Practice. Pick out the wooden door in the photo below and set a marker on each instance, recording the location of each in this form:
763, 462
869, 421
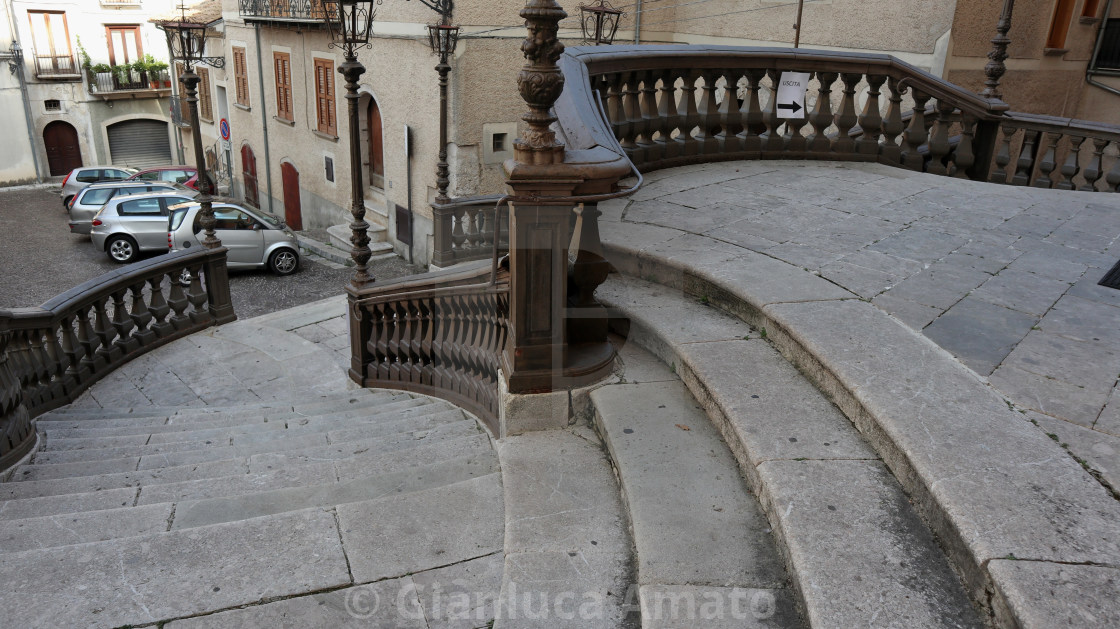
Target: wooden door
292, 215
63, 151
376, 158
249, 176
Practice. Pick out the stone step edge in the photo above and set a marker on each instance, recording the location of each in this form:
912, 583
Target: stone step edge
324, 250
966, 556
81, 414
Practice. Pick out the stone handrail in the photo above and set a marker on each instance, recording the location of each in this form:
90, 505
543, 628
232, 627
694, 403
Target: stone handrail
51, 354
464, 229
439, 334
669, 106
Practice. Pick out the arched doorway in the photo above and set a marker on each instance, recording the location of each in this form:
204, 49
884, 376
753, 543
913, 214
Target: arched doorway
63, 151
292, 214
375, 145
249, 176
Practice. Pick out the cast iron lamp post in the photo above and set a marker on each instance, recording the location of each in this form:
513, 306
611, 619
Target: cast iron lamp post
350, 22
442, 37
995, 68
187, 40
599, 22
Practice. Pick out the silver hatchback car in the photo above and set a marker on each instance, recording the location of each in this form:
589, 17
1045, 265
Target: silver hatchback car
130, 224
255, 239
81, 177
89, 200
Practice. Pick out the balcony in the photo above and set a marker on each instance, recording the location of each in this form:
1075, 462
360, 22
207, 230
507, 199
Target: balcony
56, 67
296, 11
112, 86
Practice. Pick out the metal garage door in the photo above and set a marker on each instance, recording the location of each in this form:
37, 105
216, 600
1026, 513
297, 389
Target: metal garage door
139, 143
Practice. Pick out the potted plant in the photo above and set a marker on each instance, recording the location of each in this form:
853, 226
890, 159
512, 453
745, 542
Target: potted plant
155, 72
97, 70
121, 75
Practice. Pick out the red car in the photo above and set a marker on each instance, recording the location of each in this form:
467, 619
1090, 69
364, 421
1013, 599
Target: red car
178, 174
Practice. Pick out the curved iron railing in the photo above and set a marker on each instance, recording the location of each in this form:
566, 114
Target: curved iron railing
675, 105
440, 334
51, 354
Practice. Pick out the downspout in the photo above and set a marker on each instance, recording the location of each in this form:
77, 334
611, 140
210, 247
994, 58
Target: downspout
1096, 51
264, 119
175, 99
638, 22
27, 117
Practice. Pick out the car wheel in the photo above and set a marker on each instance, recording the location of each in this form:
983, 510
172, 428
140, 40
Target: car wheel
122, 249
283, 261
66, 203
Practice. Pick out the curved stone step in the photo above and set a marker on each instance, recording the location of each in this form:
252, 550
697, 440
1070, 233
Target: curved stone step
566, 543
856, 550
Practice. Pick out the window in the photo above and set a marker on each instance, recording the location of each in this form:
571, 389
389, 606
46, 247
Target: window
282, 62
499, 144
1090, 8
88, 176
1059, 26
51, 36
184, 107
228, 218
240, 76
324, 96
328, 166
205, 106
140, 207
52, 104
124, 44
151, 175
1108, 57
113, 174
98, 196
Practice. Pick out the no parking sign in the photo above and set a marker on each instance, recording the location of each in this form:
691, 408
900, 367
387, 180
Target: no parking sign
223, 128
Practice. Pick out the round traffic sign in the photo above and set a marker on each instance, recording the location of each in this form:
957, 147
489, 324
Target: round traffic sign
223, 128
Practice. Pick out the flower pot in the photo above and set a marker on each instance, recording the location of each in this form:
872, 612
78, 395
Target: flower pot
167, 83
154, 85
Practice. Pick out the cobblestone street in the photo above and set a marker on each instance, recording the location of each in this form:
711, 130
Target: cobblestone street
41, 258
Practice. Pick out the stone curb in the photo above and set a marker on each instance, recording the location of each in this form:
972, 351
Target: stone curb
930, 418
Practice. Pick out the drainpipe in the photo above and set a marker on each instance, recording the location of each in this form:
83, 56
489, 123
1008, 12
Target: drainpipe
1089, 71
638, 22
16, 58
264, 119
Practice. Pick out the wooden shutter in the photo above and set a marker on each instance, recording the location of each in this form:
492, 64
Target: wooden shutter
205, 104
283, 65
324, 96
240, 77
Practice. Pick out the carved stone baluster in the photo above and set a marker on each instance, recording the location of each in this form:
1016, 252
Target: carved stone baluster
1072, 165
1095, 168
615, 113
424, 340
846, 118
964, 156
939, 139
18, 433
459, 231
709, 114
72, 351
178, 300
123, 324
379, 340
105, 333
1049, 161
157, 304
1024, 166
140, 315
668, 147
870, 119
890, 151
751, 114
773, 142
689, 116
474, 228
1113, 176
729, 120
410, 357
647, 105
633, 112
795, 142
1003, 156
196, 295
87, 339
58, 360
916, 133
36, 375
821, 116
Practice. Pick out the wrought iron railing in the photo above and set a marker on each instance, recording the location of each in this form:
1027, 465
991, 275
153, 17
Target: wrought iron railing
130, 81
464, 230
55, 65
672, 105
282, 9
180, 112
440, 334
50, 354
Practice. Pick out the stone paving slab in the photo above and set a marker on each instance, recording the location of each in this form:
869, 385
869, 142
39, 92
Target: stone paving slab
80, 528
672, 606
135, 581
1043, 594
67, 503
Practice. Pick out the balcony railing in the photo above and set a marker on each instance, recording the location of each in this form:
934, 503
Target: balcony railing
60, 66
51, 354
464, 230
283, 10
133, 84
672, 105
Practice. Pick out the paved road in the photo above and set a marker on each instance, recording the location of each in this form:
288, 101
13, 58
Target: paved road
40, 258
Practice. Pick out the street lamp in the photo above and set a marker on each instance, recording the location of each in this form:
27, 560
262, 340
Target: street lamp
995, 67
187, 41
350, 23
599, 22
442, 38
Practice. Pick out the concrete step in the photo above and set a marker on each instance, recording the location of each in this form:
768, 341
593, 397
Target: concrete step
68, 529
340, 235
855, 548
697, 528
101, 482
400, 421
565, 531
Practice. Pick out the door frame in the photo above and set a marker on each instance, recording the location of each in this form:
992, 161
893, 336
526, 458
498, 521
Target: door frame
295, 223
58, 124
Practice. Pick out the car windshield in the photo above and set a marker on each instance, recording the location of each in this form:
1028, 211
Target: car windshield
268, 218
176, 218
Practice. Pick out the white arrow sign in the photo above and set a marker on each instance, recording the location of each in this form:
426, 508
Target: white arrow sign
791, 95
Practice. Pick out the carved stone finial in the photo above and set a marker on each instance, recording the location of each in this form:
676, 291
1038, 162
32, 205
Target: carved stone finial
995, 68
540, 82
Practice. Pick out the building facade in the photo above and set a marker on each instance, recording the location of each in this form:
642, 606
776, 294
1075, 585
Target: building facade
88, 86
